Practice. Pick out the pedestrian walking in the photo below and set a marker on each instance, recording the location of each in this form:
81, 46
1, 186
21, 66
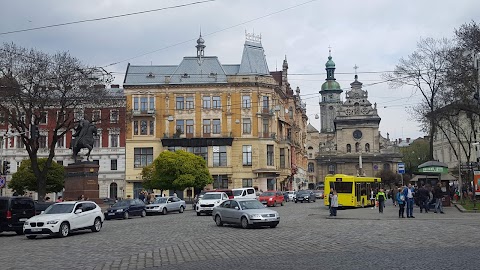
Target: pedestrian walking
408, 192
401, 203
437, 194
334, 204
381, 198
330, 195
394, 196
372, 198
423, 197
141, 196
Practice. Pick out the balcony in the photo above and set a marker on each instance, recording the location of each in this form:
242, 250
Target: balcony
143, 112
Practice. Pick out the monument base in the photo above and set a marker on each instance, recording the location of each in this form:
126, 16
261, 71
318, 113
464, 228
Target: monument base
82, 179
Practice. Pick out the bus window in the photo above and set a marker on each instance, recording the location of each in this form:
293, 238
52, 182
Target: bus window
342, 187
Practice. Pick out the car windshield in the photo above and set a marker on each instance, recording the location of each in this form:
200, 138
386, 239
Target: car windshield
121, 204
212, 196
303, 192
60, 208
161, 200
264, 194
237, 192
251, 204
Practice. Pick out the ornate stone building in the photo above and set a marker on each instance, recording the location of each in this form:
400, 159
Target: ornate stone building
349, 141
245, 121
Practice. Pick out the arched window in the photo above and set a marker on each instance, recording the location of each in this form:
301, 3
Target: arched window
311, 168
290, 112
357, 147
349, 148
357, 108
386, 167
113, 190
367, 147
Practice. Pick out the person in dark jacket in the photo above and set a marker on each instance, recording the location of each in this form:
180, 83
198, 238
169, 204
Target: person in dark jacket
438, 195
423, 198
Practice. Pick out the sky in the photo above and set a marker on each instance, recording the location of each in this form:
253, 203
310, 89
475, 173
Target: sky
371, 34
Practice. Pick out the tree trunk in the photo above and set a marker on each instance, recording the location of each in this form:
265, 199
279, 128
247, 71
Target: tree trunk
432, 133
42, 188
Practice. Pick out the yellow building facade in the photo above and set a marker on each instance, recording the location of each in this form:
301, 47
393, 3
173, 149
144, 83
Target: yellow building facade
242, 119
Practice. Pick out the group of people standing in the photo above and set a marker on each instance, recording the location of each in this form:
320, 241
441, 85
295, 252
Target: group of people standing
405, 197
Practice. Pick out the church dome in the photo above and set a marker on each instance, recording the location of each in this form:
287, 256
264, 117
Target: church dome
330, 63
331, 85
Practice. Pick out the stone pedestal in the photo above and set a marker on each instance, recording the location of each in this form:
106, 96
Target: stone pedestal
82, 179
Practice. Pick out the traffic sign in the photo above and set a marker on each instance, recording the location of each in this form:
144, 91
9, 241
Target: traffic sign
2, 181
401, 168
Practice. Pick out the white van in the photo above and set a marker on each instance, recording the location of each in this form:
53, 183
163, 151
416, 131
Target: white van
248, 193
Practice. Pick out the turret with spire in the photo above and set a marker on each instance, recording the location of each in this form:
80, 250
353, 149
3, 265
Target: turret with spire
330, 97
200, 46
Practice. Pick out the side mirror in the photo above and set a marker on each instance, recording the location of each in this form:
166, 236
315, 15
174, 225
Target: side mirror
78, 211
236, 208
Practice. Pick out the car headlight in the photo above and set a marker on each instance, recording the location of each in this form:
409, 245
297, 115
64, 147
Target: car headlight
255, 216
53, 221
271, 199
119, 210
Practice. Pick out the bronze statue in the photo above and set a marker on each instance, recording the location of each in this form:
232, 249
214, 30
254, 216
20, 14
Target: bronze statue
83, 138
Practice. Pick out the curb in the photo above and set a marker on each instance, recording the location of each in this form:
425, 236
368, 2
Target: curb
463, 210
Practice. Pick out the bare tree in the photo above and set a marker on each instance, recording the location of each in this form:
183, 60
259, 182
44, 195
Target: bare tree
424, 70
33, 82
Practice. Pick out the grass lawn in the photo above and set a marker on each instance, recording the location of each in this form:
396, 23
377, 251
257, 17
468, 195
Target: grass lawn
468, 204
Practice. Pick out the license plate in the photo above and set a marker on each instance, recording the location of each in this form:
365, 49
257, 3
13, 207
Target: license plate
111, 214
23, 219
208, 208
271, 219
36, 229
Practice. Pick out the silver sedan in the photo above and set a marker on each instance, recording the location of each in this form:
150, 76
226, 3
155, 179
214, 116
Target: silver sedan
246, 212
164, 205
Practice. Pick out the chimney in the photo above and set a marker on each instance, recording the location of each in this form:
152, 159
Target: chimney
408, 140
115, 86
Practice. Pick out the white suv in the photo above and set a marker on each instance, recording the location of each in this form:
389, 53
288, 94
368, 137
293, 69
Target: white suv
209, 201
244, 193
62, 218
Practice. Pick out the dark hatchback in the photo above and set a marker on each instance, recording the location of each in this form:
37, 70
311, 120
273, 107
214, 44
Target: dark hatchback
304, 196
14, 211
126, 208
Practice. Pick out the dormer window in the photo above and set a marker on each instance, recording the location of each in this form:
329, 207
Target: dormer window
185, 75
150, 75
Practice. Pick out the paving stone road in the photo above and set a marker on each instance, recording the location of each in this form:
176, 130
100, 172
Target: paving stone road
306, 238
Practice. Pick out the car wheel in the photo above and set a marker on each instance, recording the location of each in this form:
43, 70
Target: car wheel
97, 225
218, 221
295, 201
244, 223
164, 211
64, 229
273, 226
144, 213
198, 213
19, 232
125, 215
31, 236
181, 209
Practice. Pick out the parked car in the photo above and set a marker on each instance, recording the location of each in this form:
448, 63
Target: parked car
246, 212
244, 193
228, 191
166, 204
272, 198
65, 217
126, 208
41, 206
318, 194
14, 211
305, 196
291, 195
211, 199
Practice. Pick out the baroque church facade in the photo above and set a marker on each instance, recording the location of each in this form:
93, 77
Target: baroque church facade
349, 140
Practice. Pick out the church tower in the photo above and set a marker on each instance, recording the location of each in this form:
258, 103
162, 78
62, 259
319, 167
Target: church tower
330, 98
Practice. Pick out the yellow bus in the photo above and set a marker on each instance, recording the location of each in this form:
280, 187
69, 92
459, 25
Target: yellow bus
352, 191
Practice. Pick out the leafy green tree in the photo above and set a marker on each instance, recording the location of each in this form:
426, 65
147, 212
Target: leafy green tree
25, 180
176, 170
415, 154
389, 177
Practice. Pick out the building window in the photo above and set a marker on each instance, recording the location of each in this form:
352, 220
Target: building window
265, 124
386, 167
219, 156
357, 147
247, 183
135, 127
206, 126
290, 112
247, 126
78, 114
20, 144
282, 158
367, 147
216, 102
114, 140
271, 184
199, 151
97, 141
61, 142
179, 103
143, 127
311, 168
189, 129
246, 102
42, 141
152, 127
113, 164
189, 103
113, 191
174, 148
206, 102
265, 103
270, 155
180, 126
114, 116
43, 118
349, 148
60, 162
216, 126
142, 157
151, 103
220, 181
143, 103
331, 169
96, 116
247, 155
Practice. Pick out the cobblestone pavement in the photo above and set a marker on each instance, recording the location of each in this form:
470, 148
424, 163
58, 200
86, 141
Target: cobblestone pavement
305, 238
